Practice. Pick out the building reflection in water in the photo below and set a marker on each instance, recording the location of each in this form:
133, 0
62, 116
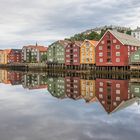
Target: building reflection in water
72, 86
88, 90
34, 81
56, 87
112, 94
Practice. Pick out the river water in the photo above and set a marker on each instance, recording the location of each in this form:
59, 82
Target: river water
39, 106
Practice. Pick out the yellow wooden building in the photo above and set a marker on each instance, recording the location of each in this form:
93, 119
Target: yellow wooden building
88, 90
4, 56
1, 56
87, 52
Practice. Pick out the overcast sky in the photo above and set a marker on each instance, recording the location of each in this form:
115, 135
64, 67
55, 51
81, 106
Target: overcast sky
24, 22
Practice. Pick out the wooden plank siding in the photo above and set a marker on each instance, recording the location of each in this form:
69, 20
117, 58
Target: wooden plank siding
87, 52
110, 50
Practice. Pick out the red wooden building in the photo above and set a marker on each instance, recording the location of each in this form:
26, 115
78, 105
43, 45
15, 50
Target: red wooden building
15, 78
72, 54
112, 93
114, 49
72, 87
14, 56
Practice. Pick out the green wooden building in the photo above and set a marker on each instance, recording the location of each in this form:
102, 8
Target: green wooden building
135, 57
56, 87
56, 52
135, 89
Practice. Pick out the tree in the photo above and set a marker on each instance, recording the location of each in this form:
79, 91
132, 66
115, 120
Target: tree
44, 58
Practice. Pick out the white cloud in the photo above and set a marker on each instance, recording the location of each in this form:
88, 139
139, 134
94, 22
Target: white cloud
25, 22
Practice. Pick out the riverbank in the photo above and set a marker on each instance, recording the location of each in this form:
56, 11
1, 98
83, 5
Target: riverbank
87, 69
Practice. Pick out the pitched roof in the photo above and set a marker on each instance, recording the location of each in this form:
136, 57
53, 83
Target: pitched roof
40, 48
78, 43
7, 51
125, 39
125, 104
94, 42
64, 42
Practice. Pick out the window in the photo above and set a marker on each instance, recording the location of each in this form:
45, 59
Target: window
103, 102
101, 60
100, 47
103, 42
100, 89
82, 50
114, 104
101, 83
75, 55
114, 40
137, 90
117, 47
68, 80
117, 59
100, 54
117, 91
100, 96
118, 99
117, 85
108, 60
136, 57
87, 44
117, 53
75, 86
108, 47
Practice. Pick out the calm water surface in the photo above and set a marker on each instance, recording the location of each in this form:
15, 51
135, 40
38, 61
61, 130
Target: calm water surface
40, 107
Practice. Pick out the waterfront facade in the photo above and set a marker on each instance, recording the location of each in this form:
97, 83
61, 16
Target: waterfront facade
72, 86
135, 89
1, 56
56, 52
114, 49
56, 87
135, 57
33, 54
4, 59
88, 90
34, 81
14, 56
72, 54
111, 93
87, 52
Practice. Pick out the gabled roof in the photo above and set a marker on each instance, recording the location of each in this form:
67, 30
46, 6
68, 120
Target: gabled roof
125, 104
40, 48
94, 42
64, 43
125, 39
78, 43
7, 51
